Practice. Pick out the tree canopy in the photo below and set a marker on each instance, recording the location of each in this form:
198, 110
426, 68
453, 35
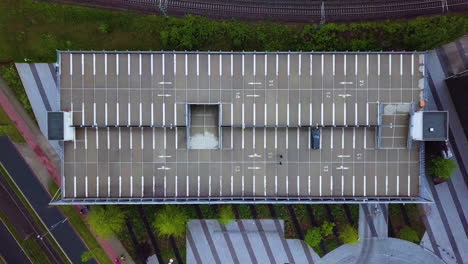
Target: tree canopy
441, 168
226, 215
107, 220
313, 237
349, 234
171, 220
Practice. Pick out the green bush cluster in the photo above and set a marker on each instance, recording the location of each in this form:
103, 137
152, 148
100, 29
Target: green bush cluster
316, 234
348, 234
11, 77
409, 234
440, 167
171, 221
226, 215
107, 220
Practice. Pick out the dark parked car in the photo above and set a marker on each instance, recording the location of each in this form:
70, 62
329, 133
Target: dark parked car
315, 138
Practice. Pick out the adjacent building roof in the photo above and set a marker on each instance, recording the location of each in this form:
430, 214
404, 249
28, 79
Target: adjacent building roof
199, 126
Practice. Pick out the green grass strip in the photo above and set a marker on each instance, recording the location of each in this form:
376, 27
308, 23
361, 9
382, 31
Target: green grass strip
32, 212
75, 219
8, 128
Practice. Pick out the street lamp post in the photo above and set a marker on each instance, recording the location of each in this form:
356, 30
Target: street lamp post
52, 228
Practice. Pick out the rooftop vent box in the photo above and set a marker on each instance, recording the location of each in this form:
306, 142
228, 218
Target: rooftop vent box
59, 126
429, 126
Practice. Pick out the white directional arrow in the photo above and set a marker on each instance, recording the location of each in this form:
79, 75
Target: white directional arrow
165, 82
164, 168
253, 168
253, 95
346, 82
342, 168
253, 83
164, 95
255, 155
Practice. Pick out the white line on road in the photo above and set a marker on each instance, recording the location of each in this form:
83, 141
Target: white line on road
331, 184
82, 64
139, 63
355, 114
386, 184
117, 64
97, 186
397, 185
321, 114
154, 185
333, 66
152, 68
331, 138
342, 185
165, 186
128, 64
299, 114
143, 186
82, 114
354, 137
287, 138
253, 185
308, 185
401, 64
94, 114
97, 138
242, 185
264, 186
287, 185
310, 114
209, 66
141, 139
342, 138
108, 186
298, 183
333, 113
108, 138
209, 186
232, 185
129, 114
86, 138
163, 66
297, 138
118, 113
198, 185
367, 113
131, 138
409, 183
152, 114
389, 64
287, 114
187, 189
375, 185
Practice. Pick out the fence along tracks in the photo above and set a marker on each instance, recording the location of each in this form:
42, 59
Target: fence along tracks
290, 10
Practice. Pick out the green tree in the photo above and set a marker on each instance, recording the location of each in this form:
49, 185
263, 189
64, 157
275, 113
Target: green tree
441, 168
107, 220
349, 234
408, 234
226, 215
326, 229
171, 220
87, 256
313, 236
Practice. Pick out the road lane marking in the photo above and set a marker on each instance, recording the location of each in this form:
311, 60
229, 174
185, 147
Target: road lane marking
333, 113
354, 137
97, 186
264, 186
342, 138
397, 185
198, 185
141, 114
86, 186
139, 64
187, 189
333, 66
386, 184
308, 185
165, 186
152, 68
198, 64
94, 114
276, 185
375, 185
243, 65
365, 137
287, 138
120, 139
287, 185
82, 64
242, 185
367, 114
105, 64
142, 140
297, 139
276, 138
97, 138
232, 185
164, 113
409, 183
331, 184
390, 64
254, 65
401, 64
378, 64
287, 114
163, 66
265, 111
82, 114
412, 64
71, 63
299, 114
321, 114
355, 114
322, 63
120, 186
253, 185
131, 138
276, 114
310, 112
128, 64
342, 185
276, 64
86, 138
209, 64
232, 65
254, 114
297, 181
108, 139
154, 143
209, 186
354, 185
344, 66
331, 138
94, 64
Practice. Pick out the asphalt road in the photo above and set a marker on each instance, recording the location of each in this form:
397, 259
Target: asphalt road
39, 199
10, 251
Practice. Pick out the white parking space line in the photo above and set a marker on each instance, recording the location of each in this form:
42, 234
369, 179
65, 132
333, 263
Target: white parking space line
86, 138
264, 137
310, 114
333, 66
117, 111
152, 68
108, 186
389, 64
378, 64
242, 138
401, 64
120, 139
165, 141
409, 183
342, 138
297, 139
97, 186
264, 186
412, 64
276, 138
355, 114
253, 138
367, 113
276, 114
331, 138
82, 114
188, 183
105, 113
94, 114
354, 185
186, 72
243, 115
176, 138
175, 115
344, 114
365, 185
232, 185
220, 183
209, 67
74, 186
354, 137
300, 64
298, 183
209, 186
131, 186
276, 184
320, 139
165, 186
163, 64
365, 137
82, 64
367, 64
320, 185
287, 114
139, 64
198, 185
86, 185
198, 64
321, 113
154, 140
310, 59
243, 65
397, 185
120, 186
308, 185
71, 63
154, 185
386, 185
97, 138
322, 64
164, 113
331, 184
287, 138
344, 66
242, 185
142, 141
308, 142
254, 115
276, 65
117, 64
266, 64
342, 185
108, 139
265, 111
143, 185
253, 185
128, 63
220, 67
232, 65
141, 114
375, 185
94, 64
254, 65
129, 114
333, 113
131, 138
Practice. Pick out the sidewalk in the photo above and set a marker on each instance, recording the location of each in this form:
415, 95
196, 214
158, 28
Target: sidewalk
46, 155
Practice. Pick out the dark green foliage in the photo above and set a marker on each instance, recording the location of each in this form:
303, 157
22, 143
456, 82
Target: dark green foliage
394, 209
208, 211
171, 220
104, 28
326, 229
300, 210
409, 234
226, 215
282, 211
319, 212
441, 168
330, 244
263, 211
349, 234
313, 237
354, 211
11, 77
338, 213
244, 211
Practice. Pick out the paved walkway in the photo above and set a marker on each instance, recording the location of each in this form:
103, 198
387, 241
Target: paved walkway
244, 241
45, 154
445, 219
373, 220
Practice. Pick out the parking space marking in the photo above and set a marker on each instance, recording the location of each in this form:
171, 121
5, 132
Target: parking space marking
253, 138
264, 186
253, 185
86, 138
288, 65
276, 184
378, 64
300, 64
82, 114
74, 186
354, 137
367, 114
242, 185
320, 185
321, 114
176, 138
142, 140
331, 184
308, 185
298, 189
71, 63
82, 64
342, 185
365, 137
276, 138
390, 64
232, 65
397, 185
152, 114
276, 65
354, 185
344, 66
409, 183
154, 185
120, 139
198, 185
320, 139
310, 114
264, 137
355, 114
97, 186
254, 115
265, 111
188, 183
198, 64
220, 64
375, 185
243, 65
308, 139
209, 186
401, 64
165, 141
108, 186
331, 138
86, 186
165, 186
128, 64
154, 141
209, 64
367, 64
141, 114
386, 184
333, 113
143, 185
297, 139
220, 184
287, 138
342, 138
131, 186
276, 114
108, 139
163, 64
412, 64
117, 111
94, 114
131, 138
322, 64
129, 114
333, 64
97, 139
120, 186
287, 114
232, 185
365, 185
117, 64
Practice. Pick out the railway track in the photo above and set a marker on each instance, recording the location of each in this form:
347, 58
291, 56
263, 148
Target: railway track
301, 11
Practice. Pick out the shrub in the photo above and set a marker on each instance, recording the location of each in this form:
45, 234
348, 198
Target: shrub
171, 220
226, 215
87, 256
106, 221
349, 234
441, 168
326, 229
408, 234
313, 237
104, 28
